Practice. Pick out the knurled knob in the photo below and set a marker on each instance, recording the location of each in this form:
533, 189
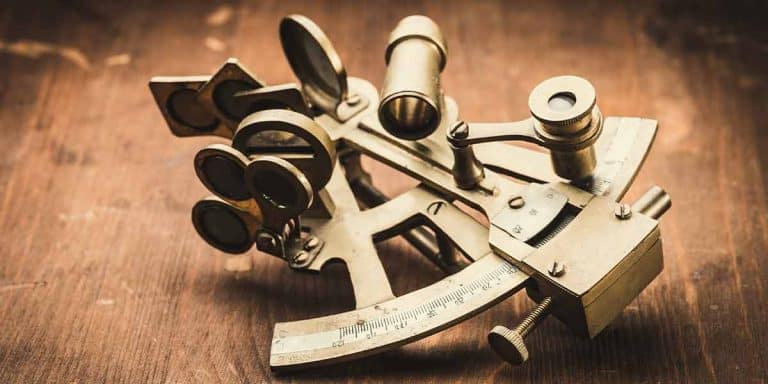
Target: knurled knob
563, 104
508, 344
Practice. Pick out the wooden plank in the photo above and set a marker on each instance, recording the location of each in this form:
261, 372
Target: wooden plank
103, 279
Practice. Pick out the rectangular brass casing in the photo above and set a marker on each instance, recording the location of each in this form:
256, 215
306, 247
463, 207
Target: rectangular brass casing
608, 262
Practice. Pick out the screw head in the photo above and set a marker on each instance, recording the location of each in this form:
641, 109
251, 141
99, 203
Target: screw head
353, 100
312, 243
301, 257
557, 269
266, 242
516, 202
434, 207
508, 344
460, 130
623, 211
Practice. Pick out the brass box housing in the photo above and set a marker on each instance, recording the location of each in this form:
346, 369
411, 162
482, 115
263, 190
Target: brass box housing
604, 271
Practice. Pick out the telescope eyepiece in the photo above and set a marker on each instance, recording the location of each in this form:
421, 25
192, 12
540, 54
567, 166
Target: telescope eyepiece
411, 98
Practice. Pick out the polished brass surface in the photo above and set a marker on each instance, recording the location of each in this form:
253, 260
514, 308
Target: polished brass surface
292, 182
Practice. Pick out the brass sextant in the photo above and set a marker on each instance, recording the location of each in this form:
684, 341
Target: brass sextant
289, 180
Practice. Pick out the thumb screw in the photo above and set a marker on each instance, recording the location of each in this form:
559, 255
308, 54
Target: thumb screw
508, 343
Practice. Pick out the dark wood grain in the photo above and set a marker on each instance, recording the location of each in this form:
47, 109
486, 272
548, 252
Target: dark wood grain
103, 279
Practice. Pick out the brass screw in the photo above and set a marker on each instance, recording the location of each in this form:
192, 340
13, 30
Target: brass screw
557, 269
301, 257
460, 130
434, 207
353, 100
623, 211
509, 344
266, 242
312, 243
516, 202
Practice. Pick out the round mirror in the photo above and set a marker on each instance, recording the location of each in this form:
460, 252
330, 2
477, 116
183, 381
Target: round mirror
314, 61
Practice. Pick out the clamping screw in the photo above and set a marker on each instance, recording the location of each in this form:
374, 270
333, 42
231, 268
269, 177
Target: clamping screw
460, 130
623, 211
467, 170
557, 269
509, 344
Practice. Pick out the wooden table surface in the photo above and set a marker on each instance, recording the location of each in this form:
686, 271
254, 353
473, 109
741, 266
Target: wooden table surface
103, 278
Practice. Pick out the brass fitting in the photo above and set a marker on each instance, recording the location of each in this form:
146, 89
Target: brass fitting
568, 122
411, 98
467, 170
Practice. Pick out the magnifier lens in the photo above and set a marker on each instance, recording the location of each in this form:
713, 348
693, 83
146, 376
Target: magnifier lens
184, 108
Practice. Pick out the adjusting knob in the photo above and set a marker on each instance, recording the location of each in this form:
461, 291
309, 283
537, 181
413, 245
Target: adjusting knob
509, 344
